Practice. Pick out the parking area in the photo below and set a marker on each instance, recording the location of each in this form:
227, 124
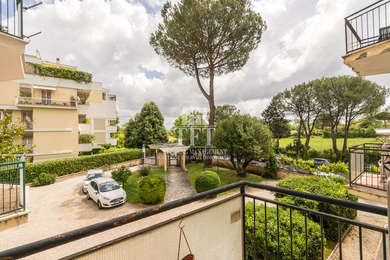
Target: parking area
59, 208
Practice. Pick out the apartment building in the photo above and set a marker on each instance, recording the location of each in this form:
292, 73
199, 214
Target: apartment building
56, 103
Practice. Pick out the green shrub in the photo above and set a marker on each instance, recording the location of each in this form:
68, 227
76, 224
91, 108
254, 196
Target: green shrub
44, 179
304, 165
374, 169
339, 167
77, 164
121, 175
86, 138
298, 234
321, 186
151, 190
207, 180
323, 168
271, 167
144, 171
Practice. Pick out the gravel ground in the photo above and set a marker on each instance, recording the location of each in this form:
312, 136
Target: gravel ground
178, 184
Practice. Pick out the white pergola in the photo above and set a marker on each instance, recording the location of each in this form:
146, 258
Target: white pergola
171, 148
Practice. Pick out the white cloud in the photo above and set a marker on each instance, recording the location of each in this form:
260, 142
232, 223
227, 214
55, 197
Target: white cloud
304, 40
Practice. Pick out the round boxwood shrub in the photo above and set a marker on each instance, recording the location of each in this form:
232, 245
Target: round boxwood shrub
328, 187
151, 190
298, 234
207, 180
44, 179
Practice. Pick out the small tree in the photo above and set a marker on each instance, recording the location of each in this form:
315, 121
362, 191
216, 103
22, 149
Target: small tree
9, 133
224, 112
121, 175
274, 117
245, 138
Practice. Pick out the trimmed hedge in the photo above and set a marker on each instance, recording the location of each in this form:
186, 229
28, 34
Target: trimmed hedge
321, 186
208, 180
298, 233
151, 190
67, 166
45, 179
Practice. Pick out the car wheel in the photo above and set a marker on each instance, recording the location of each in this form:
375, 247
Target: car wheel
88, 197
100, 204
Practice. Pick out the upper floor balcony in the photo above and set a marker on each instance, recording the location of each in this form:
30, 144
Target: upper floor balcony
45, 102
367, 39
12, 44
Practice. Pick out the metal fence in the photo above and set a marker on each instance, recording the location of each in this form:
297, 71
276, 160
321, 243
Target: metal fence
11, 17
12, 184
273, 227
367, 26
369, 165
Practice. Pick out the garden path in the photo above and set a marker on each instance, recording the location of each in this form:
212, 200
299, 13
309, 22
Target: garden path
178, 184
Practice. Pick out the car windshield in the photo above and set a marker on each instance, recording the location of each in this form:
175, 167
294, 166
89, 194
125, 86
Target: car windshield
108, 186
94, 176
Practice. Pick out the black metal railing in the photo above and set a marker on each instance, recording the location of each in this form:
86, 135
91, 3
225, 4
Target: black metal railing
11, 17
272, 235
367, 26
369, 165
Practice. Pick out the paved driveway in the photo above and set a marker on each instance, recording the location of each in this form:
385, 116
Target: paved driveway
59, 208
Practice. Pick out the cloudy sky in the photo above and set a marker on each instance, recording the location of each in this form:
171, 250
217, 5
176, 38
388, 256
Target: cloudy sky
304, 41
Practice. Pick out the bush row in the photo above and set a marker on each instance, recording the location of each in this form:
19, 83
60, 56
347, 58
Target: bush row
77, 164
321, 186
352, 133
337, 167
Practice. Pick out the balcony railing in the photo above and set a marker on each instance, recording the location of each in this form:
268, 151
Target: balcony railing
255, 244
11, 17
368, 26
49, 102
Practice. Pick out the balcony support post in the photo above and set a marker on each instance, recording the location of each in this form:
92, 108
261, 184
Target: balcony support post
242, 191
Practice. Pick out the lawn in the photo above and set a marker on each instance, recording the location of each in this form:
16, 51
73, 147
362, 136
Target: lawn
131, 185
227, 176
319, 143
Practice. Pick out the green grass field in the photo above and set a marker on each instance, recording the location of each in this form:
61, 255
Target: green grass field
131, 185
320, 143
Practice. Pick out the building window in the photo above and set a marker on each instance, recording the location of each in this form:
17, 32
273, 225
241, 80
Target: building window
82, 119
25, 92
27, 119
104, 95
46, 97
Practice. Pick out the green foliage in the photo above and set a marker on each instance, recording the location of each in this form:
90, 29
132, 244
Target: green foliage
44, 179
195, 118
46, 71
121, 175
272, 232
374, 169
271, 166
208, 180
144, 171
352, 133
304, 165
77, 164
339, 167
147, 127
86, 138
225, 112
274, 117
151, 190
321, 186
323, 168
9, 133
245, 138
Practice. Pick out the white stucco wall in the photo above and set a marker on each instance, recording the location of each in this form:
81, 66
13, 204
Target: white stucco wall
212, 234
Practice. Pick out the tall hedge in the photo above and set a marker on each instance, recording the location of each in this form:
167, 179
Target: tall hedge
325, 187
66, 166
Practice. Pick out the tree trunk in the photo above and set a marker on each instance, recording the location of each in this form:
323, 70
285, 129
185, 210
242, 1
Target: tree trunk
298, 145
346, 131
334, 141
241, 171
208, 162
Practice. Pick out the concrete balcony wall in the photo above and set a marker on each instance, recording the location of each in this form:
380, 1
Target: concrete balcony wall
85, 147
213, 233
85, 129
11, 57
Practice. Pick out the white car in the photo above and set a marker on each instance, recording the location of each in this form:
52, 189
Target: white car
92, 174
106, 192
